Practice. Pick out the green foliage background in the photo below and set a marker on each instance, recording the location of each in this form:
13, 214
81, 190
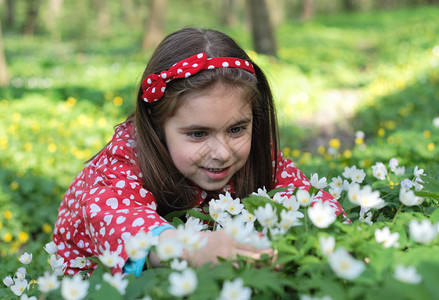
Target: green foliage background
67, 94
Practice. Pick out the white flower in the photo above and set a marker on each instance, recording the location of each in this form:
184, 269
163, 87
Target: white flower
365, 219
303, 197
407, 183
225, 199
386, 237
354, 193
238, 229
418, 185
289, 219
8, 281
80, 262
379, 171
183, 284
169, 248
400, 170
370, 199
194, 224
335, 192
74, 288
344, 265
407, 274
418, 172
189, 238
51, 248
134, 249
25, 258
436, 122
248, 217
318, 183
393, 163
235, 290
217, 210
145, 240
48, 282
178, 265
259, 241
358, 175
422, 232
266, 216
408, 197
336, 182
116, 281
58, 265
262, 192
278, 198
26, 297
19, 286
20, 274
327, 244
234, 207
359, 134
322, 214
110, 259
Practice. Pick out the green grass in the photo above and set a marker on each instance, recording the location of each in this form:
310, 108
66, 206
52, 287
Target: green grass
65, 97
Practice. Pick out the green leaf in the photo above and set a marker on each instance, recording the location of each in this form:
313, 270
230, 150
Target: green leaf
278, 190
107, 292
252, 203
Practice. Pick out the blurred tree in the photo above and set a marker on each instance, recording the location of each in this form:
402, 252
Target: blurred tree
349, 5
228, 12
276, 8
10, 13
52, 19
155, 24
308, 9
264, 41
103, 17
32, 10
4, 79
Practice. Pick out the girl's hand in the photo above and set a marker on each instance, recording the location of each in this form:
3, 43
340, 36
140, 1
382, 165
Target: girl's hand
219, 244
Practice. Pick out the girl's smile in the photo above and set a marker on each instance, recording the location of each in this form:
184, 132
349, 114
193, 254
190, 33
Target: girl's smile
209, 137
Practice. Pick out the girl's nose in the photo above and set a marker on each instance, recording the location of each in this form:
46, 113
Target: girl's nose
220, 149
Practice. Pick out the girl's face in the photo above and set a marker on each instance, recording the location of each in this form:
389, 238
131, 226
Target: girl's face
209, 136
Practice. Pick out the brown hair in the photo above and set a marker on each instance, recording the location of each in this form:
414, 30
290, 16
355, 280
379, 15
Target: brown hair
160, 176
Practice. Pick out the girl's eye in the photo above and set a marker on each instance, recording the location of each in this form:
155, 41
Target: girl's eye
197, 134
237, 130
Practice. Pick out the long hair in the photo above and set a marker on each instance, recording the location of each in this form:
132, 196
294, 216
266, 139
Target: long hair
170, 188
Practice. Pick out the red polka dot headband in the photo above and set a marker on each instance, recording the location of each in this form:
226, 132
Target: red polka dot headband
154, 85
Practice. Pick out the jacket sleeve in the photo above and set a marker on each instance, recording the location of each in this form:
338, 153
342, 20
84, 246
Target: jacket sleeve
288, 174
117, 206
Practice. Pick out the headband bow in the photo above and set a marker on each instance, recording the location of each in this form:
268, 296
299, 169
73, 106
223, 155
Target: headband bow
154, 85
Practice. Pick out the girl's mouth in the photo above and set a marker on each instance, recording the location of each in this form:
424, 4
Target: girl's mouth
216, 173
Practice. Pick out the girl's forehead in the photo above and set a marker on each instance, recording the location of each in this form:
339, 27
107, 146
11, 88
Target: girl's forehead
221, 105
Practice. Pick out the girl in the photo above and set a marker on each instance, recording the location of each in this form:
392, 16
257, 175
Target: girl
204, 124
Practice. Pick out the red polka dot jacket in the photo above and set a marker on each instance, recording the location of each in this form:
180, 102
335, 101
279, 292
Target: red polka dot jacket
107, 203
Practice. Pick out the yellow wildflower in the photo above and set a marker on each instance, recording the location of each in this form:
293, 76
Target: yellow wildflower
1, 225
3, 142
51, 148
286, 151
427, 134
334, 143
321, 150
7, 214
296, 153
7, 237
28, 146
381, 132
117, 101
70, 102
23, 237
16, 117
47, 228
347, 154
108, 95
430, 146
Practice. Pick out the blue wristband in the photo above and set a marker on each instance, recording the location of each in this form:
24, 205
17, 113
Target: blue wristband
135, 266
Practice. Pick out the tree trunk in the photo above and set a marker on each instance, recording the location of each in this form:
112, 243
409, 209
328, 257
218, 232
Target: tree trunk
155, 24
32, 9
308, 10
52, 19
4, 78
262, 31
103, 18
10, 13
276, 9
228, 12
349, 5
